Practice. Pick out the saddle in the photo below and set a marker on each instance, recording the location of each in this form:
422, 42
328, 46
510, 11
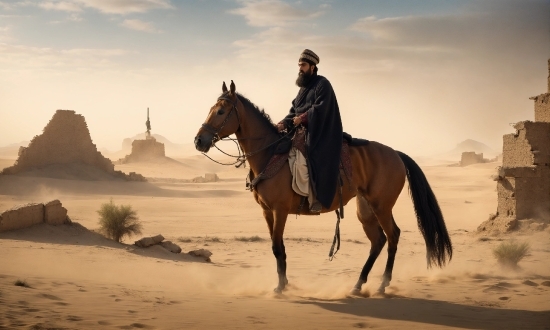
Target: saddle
298, 141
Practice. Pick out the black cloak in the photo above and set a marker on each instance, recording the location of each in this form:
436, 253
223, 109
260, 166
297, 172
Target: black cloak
324, 135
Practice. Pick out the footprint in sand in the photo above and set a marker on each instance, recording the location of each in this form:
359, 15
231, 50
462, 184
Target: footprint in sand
49, 296
31, 310
74, 318
545, 283
504, 298
530, 283
499, 287
103, 322
60, 303
136, 326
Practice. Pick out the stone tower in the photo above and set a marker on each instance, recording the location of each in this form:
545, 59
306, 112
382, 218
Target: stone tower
523, 181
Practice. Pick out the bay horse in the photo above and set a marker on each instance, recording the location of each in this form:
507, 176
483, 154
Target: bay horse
378, 177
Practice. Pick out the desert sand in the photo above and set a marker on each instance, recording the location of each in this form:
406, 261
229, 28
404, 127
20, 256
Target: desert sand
80, 280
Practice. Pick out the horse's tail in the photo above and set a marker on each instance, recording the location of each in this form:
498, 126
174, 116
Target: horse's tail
428, 214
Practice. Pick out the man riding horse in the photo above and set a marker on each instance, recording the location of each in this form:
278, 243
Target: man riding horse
315, 108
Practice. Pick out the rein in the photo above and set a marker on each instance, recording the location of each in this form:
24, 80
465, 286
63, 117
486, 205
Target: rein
242, 157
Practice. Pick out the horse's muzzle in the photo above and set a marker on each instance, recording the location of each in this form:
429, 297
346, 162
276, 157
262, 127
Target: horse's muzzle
203, 142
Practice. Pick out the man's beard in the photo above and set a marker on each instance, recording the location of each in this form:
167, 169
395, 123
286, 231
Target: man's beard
303, 78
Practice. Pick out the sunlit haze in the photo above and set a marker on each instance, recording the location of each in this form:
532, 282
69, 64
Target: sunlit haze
419, 76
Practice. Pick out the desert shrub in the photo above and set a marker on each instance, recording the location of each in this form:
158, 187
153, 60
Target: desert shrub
510, 253
185, 239
255, 238
212, 239
117, 221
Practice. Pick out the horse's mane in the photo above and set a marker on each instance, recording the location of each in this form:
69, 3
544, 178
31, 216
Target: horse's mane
257, 111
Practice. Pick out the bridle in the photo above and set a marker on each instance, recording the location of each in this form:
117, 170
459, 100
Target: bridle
241, 158
215, 130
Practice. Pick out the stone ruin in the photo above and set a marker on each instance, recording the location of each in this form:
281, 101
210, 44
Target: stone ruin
144, 150
65, 141
470, 157
24, 216
523, 180
208, 177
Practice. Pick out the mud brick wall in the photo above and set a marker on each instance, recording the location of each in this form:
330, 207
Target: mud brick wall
542, 107
529, 146
524, 192
65, 139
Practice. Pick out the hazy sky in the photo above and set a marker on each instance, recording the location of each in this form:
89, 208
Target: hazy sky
419, 76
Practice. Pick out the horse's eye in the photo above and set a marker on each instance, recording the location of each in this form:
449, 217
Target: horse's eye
221, 112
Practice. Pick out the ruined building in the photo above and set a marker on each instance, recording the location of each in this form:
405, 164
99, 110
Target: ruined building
145, 149
65, 145
65, 139
523, 181
470, 157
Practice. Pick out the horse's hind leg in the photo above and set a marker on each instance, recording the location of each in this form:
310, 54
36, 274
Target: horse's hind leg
376, 236
393, 232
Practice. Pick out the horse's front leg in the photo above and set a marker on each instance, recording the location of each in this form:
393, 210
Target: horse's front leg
279, 248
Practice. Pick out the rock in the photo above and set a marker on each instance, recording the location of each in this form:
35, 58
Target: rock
55, 213
208, 177
148, 241
172, 247
201, 253
22, 216
211, 177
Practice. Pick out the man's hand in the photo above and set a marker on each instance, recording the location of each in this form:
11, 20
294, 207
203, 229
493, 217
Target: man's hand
280, 127
297, 121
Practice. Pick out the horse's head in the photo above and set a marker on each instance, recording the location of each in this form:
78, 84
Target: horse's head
222, 120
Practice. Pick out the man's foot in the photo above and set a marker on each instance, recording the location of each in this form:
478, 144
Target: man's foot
315, 207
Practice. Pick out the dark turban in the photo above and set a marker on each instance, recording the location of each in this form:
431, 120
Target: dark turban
309, 56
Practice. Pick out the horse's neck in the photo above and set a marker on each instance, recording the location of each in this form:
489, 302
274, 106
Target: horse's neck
254, 135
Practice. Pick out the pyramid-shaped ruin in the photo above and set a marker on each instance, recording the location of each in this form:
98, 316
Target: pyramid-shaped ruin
65, 141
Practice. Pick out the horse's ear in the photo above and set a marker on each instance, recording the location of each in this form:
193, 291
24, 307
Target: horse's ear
224, 88
232, 87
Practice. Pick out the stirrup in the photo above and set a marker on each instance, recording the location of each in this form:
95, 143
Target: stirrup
316, 207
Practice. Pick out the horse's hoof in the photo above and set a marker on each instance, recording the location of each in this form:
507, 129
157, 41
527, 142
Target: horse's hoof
278, 290
355, 292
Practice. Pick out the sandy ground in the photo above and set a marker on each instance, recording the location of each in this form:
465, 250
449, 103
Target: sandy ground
81, 280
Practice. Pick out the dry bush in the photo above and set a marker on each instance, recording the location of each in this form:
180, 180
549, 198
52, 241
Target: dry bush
510, 253
117, 221
255, 238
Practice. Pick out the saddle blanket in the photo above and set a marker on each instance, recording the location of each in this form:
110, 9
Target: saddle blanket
277, 161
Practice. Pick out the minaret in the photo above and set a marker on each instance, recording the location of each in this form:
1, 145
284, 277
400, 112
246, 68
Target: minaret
148, 125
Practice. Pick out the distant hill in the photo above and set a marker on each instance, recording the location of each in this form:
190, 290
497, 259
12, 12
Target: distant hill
472, 145
468, 145
12, 150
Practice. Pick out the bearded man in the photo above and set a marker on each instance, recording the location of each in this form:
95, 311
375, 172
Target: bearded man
315, 108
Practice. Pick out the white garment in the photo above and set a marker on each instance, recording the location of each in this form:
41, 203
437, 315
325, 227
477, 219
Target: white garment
300, 174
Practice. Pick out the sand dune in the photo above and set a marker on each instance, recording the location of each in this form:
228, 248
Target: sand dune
79, 279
